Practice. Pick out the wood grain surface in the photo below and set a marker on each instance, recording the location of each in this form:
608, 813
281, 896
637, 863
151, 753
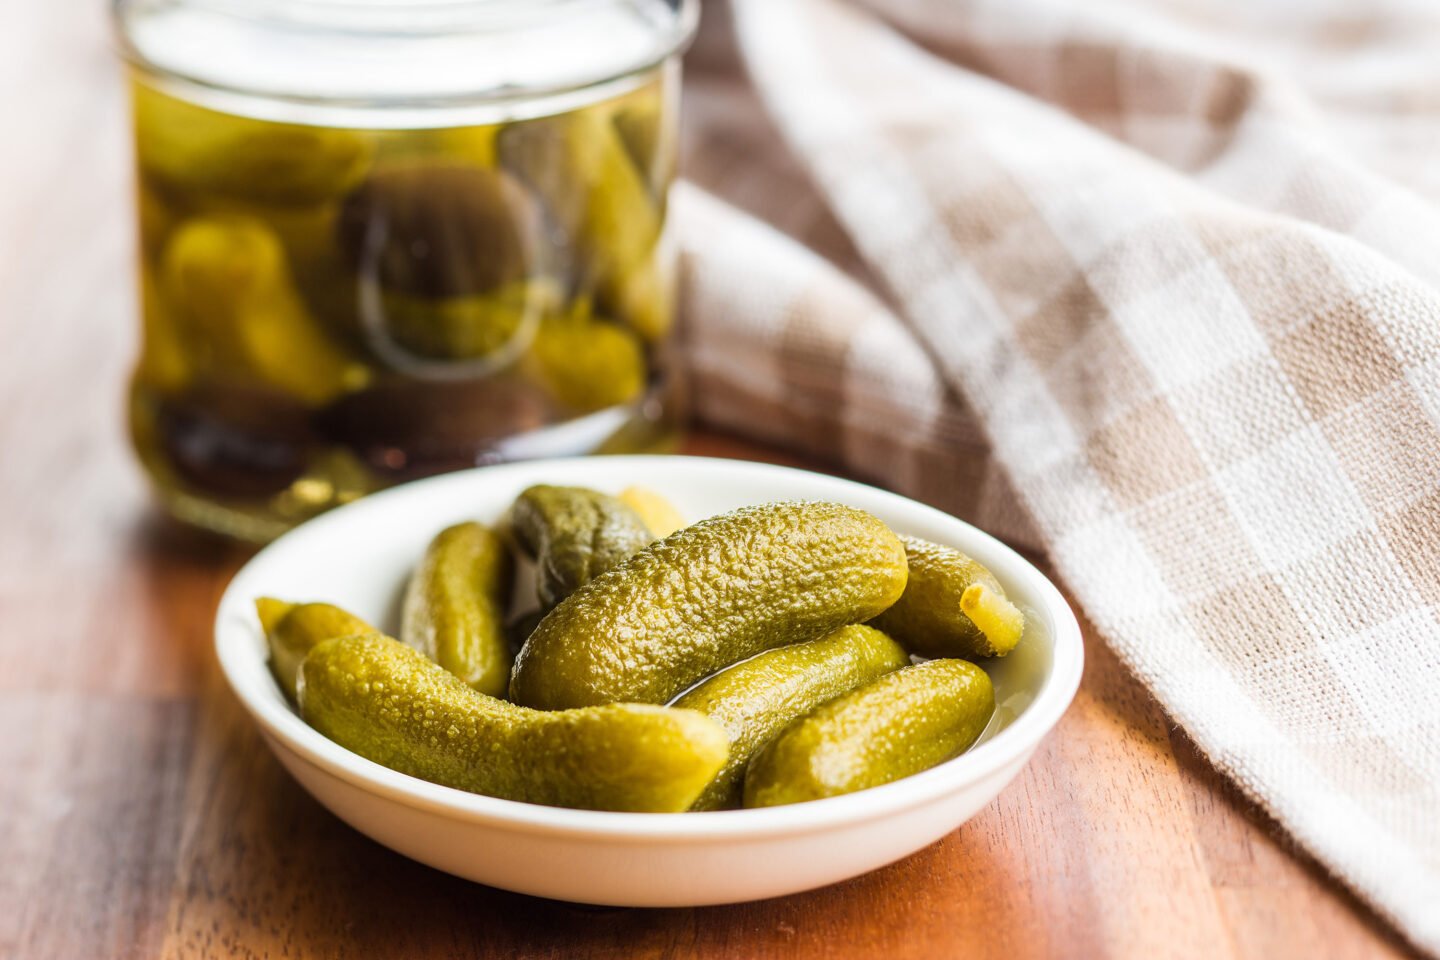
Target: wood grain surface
141, 816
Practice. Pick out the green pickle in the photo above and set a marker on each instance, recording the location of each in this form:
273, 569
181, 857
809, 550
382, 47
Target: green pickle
589, 365
292, 630
388, 703
574, 535
192, 148
901, 724
228, 282
952, 606
708, 596
440, 229
328, 310
596, 194
454, 609
755, 699
461, 328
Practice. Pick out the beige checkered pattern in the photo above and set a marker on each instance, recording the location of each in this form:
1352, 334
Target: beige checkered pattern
1153, 288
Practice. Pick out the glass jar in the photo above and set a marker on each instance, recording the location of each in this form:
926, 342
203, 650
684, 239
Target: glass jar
383, 239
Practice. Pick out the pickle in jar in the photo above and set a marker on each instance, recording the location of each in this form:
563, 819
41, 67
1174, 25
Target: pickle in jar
399, 301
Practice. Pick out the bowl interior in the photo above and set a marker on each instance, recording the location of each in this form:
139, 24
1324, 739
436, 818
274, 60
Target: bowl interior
360, 556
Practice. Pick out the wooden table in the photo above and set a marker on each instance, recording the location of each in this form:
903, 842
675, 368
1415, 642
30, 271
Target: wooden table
141, 816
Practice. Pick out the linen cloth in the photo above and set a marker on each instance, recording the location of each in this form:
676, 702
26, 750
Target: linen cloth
1151, 288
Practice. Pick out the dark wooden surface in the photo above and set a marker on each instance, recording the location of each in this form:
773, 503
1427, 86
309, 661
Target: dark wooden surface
141, 816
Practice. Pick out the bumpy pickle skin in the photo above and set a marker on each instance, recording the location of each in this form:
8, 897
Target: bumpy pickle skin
454, 608
390, 704
574, 535
227, 281
754, 700
901, 724
292, 630
933, 617
197, 149
655, 511
710, 595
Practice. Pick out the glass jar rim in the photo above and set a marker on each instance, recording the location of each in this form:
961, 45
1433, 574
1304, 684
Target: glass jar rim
390, 16
411, 19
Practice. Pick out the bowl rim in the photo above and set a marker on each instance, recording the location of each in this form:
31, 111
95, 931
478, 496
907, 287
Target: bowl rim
1013, 745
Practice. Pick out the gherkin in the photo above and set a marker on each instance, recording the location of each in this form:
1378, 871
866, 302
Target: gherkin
390, 704
574, 535
952, 606
454, 609
292, 630
754, 700
901, 724
708, 596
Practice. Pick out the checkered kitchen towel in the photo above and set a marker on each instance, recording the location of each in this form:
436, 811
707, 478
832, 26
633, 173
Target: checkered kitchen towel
1154, 288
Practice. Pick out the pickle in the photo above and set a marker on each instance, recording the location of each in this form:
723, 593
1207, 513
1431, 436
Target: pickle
454, 607
644, 296
755, 699
388, 703
574, 535
655, 511
600, 201
952, 606
457, 328
708, 596
227, 280
898, 725
589, 365
439, 229
195, 148
293, 629
641, 121
467, 145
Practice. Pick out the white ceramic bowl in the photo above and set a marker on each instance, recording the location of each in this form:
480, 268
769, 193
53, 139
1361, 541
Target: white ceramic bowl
359, 557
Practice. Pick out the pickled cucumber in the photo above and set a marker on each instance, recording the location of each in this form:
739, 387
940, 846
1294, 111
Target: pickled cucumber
467, 145
641, 122
655, 511
754, 700
952, 606
388, 703
227, 281
198, 149
708, 596
600, 201
589, 365
574, 535
440, 229
292, 630
458, 328
898, 725
454, 609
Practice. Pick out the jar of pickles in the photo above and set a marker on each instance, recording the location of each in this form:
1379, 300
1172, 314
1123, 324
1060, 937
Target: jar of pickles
383, 239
